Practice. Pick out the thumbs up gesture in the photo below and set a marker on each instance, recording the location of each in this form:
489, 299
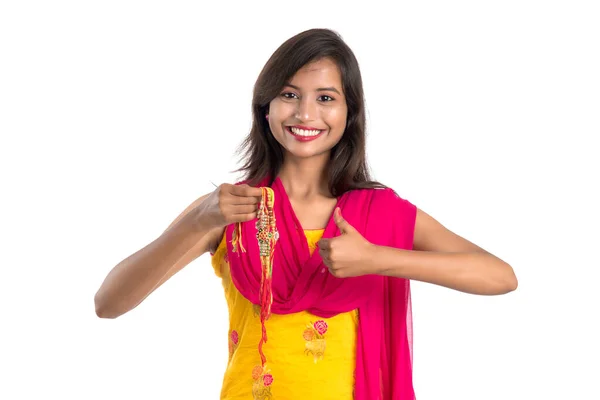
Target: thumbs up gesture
349, 254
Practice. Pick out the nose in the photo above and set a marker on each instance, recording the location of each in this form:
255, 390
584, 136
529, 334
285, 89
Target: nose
307, 110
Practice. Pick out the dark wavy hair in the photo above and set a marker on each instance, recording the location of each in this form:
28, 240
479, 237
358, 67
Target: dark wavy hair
262, 155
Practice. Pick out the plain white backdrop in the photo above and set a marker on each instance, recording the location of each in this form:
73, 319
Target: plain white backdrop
115, 115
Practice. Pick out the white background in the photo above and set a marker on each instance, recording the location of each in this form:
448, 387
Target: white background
115, 115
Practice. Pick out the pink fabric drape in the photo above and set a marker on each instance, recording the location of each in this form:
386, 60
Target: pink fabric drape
302, 282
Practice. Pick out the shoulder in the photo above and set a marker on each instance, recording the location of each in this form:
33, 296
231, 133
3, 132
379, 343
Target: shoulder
389, 216
385, 203
387, 198
401, 211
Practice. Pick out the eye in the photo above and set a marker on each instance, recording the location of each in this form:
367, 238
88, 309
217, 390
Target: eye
289, 95
326, 98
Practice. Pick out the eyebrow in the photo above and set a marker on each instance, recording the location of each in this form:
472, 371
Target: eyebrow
325, 89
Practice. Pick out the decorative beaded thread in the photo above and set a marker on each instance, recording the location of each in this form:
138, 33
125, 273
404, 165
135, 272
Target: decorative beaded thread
267, 235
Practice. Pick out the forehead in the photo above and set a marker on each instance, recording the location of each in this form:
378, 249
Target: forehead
318, 73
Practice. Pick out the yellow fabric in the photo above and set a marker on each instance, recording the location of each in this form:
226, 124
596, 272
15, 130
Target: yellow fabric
297, 374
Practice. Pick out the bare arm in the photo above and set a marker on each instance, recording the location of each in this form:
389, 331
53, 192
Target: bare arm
444, 258
198, 229
134, 278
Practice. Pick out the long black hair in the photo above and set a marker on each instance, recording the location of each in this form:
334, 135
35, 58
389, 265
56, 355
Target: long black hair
263, 155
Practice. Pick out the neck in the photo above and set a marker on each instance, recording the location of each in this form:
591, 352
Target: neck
305, 178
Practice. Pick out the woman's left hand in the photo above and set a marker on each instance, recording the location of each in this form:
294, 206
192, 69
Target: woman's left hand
346, 255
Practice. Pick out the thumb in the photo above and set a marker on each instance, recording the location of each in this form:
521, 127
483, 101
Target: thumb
341, 223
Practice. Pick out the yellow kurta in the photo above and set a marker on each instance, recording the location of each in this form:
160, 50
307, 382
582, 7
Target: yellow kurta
307, 357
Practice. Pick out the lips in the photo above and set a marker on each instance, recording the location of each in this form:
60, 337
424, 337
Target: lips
304, 133
306, 127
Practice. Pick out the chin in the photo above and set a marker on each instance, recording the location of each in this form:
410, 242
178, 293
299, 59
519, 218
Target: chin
307, 153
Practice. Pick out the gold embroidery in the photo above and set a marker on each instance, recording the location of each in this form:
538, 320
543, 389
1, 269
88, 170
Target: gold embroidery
256, 310
261, 388
314, 336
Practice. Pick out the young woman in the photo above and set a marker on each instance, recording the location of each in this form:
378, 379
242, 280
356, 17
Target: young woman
306, 324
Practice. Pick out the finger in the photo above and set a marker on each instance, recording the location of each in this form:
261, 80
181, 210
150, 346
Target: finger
336, 272
341, 223
243, 209
243, 217
246, 191
323, 253
324, 244
235, 201
227, 196
326, 259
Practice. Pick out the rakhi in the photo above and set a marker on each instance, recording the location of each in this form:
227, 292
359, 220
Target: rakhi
267, 236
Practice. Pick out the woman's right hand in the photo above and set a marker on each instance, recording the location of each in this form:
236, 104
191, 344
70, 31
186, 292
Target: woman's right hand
229, 204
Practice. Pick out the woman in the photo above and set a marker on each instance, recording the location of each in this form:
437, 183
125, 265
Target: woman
328, 324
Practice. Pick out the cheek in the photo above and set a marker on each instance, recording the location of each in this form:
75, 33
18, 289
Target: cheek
279, 111
274, 116
336, 118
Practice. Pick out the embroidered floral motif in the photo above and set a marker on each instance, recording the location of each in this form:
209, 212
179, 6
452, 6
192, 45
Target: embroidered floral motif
314, 336
267, 379
261, 388
321, 327
256, 372
308, 335
234, 339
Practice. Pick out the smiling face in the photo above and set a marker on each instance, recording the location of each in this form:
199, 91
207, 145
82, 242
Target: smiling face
308, 117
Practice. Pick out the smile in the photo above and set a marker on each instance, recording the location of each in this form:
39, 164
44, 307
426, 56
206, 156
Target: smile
303, 133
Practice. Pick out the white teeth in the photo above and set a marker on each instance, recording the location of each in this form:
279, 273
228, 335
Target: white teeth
302, 132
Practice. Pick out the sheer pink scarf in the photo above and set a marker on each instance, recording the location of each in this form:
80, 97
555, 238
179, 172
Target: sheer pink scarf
302, 282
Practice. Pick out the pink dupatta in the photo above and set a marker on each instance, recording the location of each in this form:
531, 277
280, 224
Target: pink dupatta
302, 282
